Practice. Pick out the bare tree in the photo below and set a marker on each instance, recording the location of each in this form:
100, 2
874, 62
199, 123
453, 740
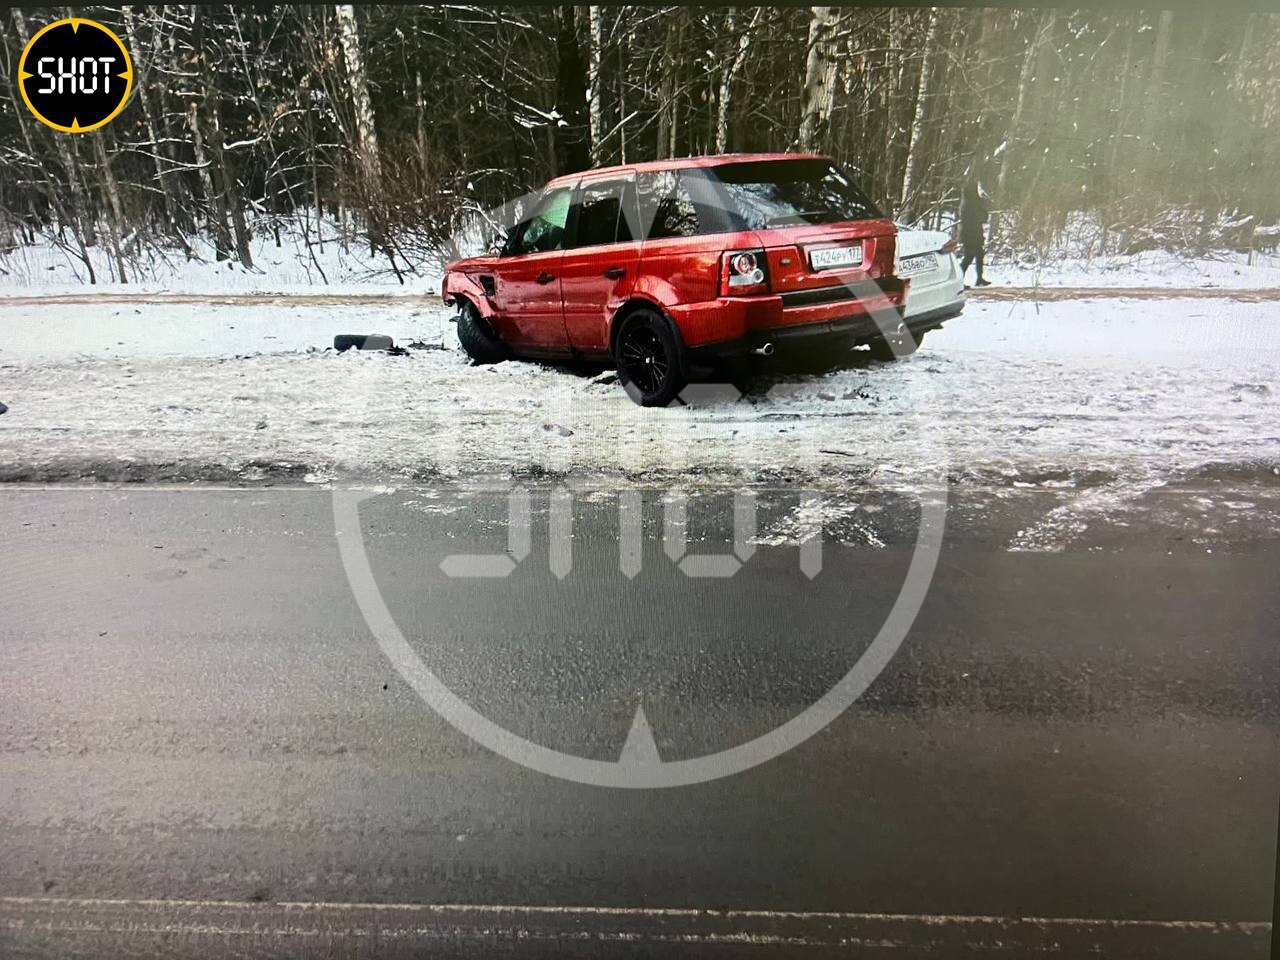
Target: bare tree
912, 166
366, 129
818, 75
595, 95
255, 121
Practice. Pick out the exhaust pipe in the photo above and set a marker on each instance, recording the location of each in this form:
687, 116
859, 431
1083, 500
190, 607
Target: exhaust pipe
765, 351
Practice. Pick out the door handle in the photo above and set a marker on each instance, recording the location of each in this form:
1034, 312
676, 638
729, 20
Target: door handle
545, 277
615, 273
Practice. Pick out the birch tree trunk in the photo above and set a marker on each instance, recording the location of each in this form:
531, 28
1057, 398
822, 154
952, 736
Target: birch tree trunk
362, 104
911, 167
595, 100
730, 73
817, 77
366, 134
892, 100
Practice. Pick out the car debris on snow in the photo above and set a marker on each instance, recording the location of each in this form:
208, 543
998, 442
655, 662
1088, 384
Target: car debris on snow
362, 341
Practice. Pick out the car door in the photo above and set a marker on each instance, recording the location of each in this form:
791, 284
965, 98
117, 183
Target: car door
526, 279
599, 269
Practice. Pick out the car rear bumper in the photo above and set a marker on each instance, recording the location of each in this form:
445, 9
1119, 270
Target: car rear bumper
947, 294
834, 334
731, 326
932, 319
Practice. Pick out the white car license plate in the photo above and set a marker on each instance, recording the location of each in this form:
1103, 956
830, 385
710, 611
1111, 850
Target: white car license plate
910, 266
830, 257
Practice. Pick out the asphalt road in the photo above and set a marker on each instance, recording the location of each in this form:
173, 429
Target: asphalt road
204, 752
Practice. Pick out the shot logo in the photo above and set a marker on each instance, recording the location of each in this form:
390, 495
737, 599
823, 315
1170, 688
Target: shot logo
75, 75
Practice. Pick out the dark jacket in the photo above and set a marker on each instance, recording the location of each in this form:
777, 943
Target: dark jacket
973, 215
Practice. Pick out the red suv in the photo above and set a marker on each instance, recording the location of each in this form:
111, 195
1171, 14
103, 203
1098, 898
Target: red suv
663, 265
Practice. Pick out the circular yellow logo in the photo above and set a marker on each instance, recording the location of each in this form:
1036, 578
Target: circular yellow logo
75, 75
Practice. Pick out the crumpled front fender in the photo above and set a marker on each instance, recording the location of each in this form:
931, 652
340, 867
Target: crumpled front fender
462, 285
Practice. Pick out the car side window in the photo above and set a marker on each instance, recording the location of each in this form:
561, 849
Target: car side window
681, 203
543, 231
666, 207
600, 215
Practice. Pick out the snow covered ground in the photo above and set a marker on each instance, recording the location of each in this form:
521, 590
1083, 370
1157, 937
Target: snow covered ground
1225, 270
1096, 401
301, 265
1052, 393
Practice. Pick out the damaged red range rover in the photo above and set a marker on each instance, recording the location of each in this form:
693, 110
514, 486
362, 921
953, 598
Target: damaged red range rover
664, 266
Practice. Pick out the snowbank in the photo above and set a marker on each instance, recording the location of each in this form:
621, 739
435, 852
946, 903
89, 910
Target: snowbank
1155, 268
1034, 393
301, 264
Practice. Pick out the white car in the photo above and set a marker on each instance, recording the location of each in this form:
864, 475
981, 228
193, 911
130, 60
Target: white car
927, 258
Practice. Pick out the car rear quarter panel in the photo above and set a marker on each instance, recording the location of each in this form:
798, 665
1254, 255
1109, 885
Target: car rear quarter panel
682, 276
678, 270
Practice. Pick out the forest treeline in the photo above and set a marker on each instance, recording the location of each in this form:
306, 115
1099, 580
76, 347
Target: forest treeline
397, 123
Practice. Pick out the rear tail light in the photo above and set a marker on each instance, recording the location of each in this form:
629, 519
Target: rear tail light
743, 272
950, 246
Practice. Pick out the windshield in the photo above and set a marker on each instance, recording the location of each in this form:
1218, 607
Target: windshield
778, 193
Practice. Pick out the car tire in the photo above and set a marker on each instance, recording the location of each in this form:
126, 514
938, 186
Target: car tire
903, 346
478, 340
652, 366
346, 341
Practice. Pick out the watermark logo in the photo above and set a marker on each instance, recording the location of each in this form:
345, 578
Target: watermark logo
75, 75
640, 764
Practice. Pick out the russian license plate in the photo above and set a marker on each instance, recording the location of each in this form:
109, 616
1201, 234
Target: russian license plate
831, 257
910, 266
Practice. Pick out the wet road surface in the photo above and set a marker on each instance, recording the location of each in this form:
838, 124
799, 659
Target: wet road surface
204, 752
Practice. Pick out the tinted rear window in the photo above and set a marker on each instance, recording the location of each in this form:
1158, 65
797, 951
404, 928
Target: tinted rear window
780, 193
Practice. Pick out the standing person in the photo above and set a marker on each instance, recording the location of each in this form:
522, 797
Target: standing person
974, 210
